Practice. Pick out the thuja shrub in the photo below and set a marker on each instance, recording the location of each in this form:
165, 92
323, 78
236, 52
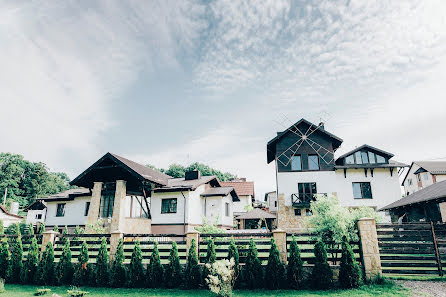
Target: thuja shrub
322, 275
65, 268
173, 275
211, 256
5, 264
81, 275
16, 259
56, 228
192, 274
136, 269
41, 228
119, 273
252, 273
31, 263
295, 266
233, 254
48, 270
274, 269
2, 228
102, 268
30, 229
349, 272
155, 271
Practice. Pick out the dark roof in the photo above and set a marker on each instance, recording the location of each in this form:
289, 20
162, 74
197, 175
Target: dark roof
271, 146
432, 192
9, 214
182, 184
368, 147
67, 195
392, 164
243, 188
38, 204
433, 167
221, 191
256, 213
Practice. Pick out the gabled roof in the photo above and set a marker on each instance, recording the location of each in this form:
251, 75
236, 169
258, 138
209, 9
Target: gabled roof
256, 213
432, 192
243, 188
367, 147
183, 184
433, 167
9, 214
271, 146
221, 191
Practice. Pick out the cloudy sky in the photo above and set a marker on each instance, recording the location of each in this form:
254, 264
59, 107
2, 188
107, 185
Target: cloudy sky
213, 81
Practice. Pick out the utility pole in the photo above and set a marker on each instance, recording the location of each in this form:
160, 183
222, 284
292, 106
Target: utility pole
4, 197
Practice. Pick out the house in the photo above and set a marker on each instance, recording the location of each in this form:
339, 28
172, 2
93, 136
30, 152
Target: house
271, 201
256, 219
245, 192
425, 205
123, 195
9, 218
306, 166
422, 174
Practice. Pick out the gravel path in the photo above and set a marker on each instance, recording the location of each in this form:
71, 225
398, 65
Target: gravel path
425, 288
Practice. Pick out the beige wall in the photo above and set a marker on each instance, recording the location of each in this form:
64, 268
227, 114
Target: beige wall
286, 219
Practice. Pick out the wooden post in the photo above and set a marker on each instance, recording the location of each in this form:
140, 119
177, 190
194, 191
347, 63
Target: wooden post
437, 254
280, 237
369, 248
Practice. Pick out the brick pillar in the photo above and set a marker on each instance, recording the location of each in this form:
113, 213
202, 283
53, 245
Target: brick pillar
114, 241
95, 202
442, 211
280, 237
48, 236
369, 248
117, 223
281, 211
189, 236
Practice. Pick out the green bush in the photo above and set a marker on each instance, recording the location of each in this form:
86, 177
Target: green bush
210, 258
16, 259
48, 270
5, 264
102, 268
192, 274
30, 229
78, 231
2, 285
253, 273
76, 292
65, 268
82, 271
2, 228
274, 269
42, 291
349, 272
41, 228
136, 269
119, 273
13, 229
155, 271
322, 275
173, 275
233, 254
31, 263
295, 266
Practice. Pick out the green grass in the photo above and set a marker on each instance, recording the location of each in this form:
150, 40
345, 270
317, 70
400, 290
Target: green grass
387, 290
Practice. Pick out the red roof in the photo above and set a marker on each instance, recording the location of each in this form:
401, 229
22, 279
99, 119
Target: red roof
242, 188
10, 214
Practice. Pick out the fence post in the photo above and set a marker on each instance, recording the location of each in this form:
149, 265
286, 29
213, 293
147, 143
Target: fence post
114, 241
371, 260
48, 236
189, 236
280, 237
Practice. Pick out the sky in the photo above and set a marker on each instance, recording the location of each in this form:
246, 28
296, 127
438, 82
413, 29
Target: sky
164, 82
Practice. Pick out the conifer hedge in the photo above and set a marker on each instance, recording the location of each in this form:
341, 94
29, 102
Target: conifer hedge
81, 275
295, 266
65, 268
16, 259
349, 272
136, 269
253, 272
102, 268
322, 275
233, 254
5, 266
275, 271
2, 228
31, 263
193, 271
155, 271
173, 275
47, 268
119, 272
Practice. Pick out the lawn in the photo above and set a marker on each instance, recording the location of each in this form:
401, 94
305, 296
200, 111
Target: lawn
388, 290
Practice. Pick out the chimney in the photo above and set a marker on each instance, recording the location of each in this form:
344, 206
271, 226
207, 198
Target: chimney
322, 125
14, 208
191, 175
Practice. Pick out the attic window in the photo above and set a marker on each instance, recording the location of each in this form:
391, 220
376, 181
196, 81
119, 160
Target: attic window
350, 160
380, 159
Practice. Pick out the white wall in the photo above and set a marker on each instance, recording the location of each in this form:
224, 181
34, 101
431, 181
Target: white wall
167, 218
271, 201
215, 208
31, 217
8, 220
424, 182
239, 206
74, 212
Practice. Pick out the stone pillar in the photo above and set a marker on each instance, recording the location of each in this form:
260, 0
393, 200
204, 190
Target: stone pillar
48, 236
280, 237
189, 236
114, 241
118, 218
371, 260
442, 206
95, 202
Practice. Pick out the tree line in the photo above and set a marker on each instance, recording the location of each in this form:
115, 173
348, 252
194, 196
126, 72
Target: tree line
178, 170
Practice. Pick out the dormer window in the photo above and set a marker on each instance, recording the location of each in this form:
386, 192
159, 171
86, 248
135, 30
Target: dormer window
350, 160
363, 158
380, 159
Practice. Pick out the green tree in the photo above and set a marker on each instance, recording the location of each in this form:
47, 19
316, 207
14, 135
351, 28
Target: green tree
155, 271
2, 228
322, 275
13, 229
16, 259
210, 258
30, 229
274, 269
56, 228
31, 263
193, 272
174, 271
349, 272
233, 254
81, 275
136, 269
65, 268
177, 171
48, 271
252, 274
64, 234
41, 228
102, 269
5, 264
119, 273
78, 231
295, 266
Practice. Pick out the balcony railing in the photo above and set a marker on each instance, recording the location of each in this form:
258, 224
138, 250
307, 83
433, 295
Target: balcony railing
304, 199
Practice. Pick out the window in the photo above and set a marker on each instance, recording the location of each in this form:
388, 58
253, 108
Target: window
296, 163
409, 181
380, 159
371, 158
60, 212
107, 200
297, 212
308, 212
313, 162
227, 209
169, 205
358, 157
38, 216
135, 207
307, 192
87, 208
362, 191
365, 157
419, 177
275, 203
350, 159
425, 176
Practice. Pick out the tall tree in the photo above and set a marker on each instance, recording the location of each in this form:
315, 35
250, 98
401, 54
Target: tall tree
174, 271
178, 170
253, 273
5, 264
32, 263
65, 267
102, 268
119, 273
192, 274
274, 268
16, 260
48, 270
136, 269
155, 271
295, 266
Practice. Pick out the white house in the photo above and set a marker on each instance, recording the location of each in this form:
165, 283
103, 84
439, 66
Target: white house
306, 166
245, 192
9, 218
271, 201
422, 174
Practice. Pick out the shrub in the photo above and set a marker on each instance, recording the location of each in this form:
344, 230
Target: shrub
173, 271
30, 229
56, 228
2, 228
41, 228
47, 272
136, 269
2, 285
252, 274
42, 291
211, 256
209, 228
81, 275
13, 229
65, 268
274, 269
32, 263
220, 278
193, 272
78, 231
322, 275
155, 270
233, 254
5, 266
23, 227
102, 269
349, 272
76, 292
119, 273
16, 260
295, 266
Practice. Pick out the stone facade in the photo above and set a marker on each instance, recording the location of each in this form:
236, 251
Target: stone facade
370, 251
286, 218
95, 202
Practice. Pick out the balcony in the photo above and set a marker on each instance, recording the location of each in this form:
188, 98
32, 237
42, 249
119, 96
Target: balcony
304, 199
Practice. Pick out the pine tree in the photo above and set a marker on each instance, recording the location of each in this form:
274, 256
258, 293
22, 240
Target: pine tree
48, 270
155, 271
65, 268
322, 275
349, 272
210, 258
233, 254
56, 228
81, 275
119, 273
193, 272
252, 274
64, 234
32, 263
30, 229
173, 271
2, 228
77, 231
102, 269
274, 269
5, 264
16, 259
42, 228
136, 269
295, 266
13, 229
